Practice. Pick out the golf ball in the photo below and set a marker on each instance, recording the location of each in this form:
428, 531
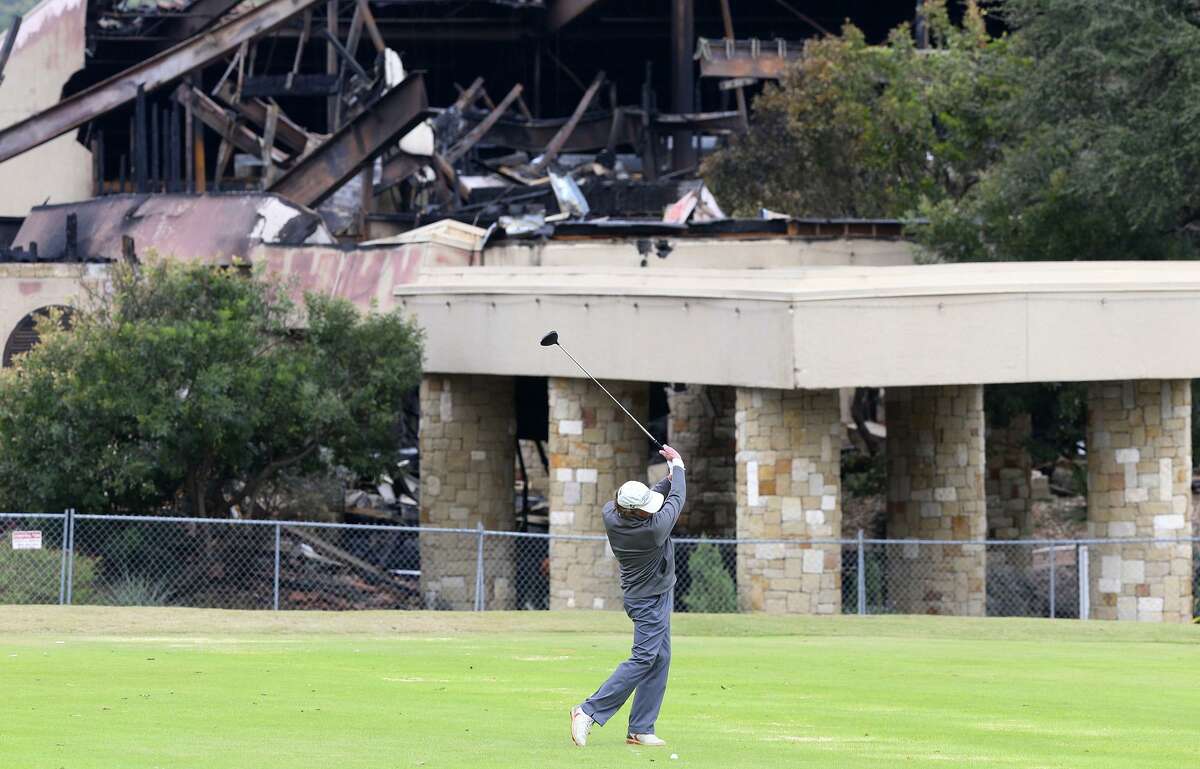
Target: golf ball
674, 755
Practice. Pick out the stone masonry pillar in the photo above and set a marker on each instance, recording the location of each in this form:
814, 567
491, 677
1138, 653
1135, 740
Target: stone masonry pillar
789, 487
936, 491
702, 431
1009, 468
468, 445
1139, 485
594, 448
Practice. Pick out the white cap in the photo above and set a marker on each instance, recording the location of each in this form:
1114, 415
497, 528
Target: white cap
634, 495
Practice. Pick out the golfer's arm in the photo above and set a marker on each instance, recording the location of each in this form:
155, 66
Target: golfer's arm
666, 518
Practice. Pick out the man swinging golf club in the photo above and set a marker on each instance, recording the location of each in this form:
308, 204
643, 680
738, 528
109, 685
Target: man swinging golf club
639, 523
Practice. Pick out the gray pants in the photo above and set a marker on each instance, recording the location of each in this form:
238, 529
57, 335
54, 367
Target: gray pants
644, 674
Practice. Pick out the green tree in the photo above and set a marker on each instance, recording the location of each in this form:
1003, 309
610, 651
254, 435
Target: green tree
188, 388
712, 590
1102, 144
872, 131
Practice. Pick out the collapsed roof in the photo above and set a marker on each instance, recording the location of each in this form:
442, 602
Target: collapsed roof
559, 122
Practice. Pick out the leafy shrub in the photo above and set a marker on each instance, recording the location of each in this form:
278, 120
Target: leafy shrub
864, 475
32, 577
712, 589
132, 590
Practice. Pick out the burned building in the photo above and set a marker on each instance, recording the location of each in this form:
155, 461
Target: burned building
388, 115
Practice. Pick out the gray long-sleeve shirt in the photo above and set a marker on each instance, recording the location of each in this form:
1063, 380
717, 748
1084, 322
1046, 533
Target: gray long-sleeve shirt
643, 547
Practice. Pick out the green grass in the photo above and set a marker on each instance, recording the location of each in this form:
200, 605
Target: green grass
133, 688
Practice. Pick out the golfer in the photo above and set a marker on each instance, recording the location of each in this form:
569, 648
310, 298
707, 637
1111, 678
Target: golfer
639, 523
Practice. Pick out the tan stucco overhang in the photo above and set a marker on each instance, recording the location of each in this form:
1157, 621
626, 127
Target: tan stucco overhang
817, 327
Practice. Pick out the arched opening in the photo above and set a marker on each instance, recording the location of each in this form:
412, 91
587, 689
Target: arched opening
24, 337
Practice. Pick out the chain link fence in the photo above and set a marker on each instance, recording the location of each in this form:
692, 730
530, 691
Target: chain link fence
71, 558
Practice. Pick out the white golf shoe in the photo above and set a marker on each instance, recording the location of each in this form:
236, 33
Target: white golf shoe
581, 725
649, 740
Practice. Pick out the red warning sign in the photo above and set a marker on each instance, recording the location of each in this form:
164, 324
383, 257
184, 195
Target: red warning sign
27, 540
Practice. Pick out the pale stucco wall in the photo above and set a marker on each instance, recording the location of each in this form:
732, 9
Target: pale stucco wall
48, 50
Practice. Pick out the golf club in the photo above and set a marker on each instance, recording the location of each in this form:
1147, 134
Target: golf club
551, 339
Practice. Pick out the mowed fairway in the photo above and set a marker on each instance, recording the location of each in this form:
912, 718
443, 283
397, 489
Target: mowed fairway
175, 688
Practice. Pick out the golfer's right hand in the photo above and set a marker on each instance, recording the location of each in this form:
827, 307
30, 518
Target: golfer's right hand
672, 456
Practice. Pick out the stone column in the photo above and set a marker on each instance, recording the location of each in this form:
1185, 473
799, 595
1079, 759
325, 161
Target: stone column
468, 446
1009, 468
702, 431
936, 490
1139, 445
594, 448
789, 487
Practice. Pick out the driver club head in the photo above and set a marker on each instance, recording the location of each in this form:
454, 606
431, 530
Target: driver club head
550, 339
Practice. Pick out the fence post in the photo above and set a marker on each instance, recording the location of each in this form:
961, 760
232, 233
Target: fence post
862, 576
62, 569
479, 569
1053, 578
275, 602
70, 523
1085, 608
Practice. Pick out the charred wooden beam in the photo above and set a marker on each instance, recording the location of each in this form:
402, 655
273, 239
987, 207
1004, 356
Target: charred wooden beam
467, 97
210, 113
288, 134
478, 132
592, 132
372, 27
683, 36
120, 89
337, 159
271, 86
556, 144
305, 31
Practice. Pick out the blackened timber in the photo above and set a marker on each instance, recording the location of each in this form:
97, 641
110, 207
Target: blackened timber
173, 142
265, 86
155, 145
210, 113
485, 125
683, 35
556, 144
372, 27
711, 123
288, 134
592, 132
467, 98
341, 51
142, 161
305, 31
120, 89
332, 163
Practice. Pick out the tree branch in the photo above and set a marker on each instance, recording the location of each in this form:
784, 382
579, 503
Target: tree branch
252, 486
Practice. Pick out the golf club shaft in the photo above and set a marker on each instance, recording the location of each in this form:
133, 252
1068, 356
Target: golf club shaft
610, 395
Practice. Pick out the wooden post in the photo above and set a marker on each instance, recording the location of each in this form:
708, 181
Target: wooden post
367, 198
727, 20
141, 155
683, 39
268, 144
189, 141
331, 62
